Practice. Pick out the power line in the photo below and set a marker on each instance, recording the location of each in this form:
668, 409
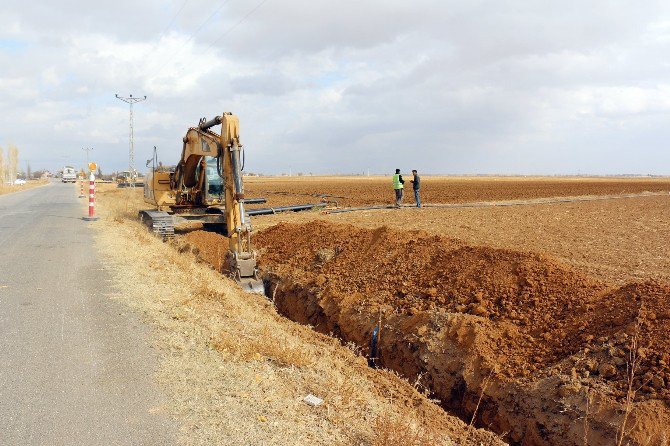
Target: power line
232, 28
174, 17
229, 30
191, 37
88, 149
160, 36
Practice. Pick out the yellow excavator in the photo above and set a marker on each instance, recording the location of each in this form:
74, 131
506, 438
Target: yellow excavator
206, 186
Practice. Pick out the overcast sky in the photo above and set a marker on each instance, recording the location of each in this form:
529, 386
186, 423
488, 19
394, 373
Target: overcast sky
344, 86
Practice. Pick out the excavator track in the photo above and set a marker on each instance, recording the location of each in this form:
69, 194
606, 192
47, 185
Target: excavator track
160, 222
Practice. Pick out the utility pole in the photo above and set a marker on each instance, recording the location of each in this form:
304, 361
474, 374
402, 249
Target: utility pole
131, 156
87, 150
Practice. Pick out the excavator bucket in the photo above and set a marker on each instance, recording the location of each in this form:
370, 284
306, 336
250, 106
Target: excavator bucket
251, 285
245, 271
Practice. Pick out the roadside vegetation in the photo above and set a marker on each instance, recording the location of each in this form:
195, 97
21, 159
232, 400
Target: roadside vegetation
235, 369
498, 299
9, 171
9, 188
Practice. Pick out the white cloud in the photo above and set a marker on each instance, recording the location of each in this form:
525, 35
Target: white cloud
344, 86
622, 101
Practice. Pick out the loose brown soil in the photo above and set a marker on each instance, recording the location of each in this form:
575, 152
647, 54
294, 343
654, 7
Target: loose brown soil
545, 344
236, 372
362, 191
535, 337
617, 241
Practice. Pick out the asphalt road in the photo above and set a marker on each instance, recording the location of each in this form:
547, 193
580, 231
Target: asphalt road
76, 367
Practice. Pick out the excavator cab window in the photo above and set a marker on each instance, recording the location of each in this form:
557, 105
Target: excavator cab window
214, 181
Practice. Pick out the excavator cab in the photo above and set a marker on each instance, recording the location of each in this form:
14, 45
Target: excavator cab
213, 180
203, 181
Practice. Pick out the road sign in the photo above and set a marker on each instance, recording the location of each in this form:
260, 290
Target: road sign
92, 167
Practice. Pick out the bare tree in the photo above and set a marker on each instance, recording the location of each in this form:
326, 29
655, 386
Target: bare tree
29, 172
13, 162
3, 167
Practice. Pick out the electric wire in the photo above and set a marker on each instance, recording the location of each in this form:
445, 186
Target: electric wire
167, 27
227, 31
191, 37
171, 22
232, 28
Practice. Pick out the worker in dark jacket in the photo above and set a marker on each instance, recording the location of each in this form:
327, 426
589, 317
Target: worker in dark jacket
398, 186
416, 185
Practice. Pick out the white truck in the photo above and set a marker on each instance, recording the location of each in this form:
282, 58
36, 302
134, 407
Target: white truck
69, 174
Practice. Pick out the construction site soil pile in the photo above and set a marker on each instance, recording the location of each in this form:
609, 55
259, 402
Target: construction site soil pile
539, 350
418, 271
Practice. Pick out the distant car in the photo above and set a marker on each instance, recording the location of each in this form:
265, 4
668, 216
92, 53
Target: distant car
20, 182
69, 174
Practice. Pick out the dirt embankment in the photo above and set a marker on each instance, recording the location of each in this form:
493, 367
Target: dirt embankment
235, 371
548, 350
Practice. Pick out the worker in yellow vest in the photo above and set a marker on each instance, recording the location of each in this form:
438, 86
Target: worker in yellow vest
398, 186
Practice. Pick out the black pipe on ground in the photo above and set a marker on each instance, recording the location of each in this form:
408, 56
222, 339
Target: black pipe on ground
295, 208
370, 208
482, 204
254, 200
295, 194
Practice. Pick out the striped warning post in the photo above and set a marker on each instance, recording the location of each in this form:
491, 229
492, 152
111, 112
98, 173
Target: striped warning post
91, 199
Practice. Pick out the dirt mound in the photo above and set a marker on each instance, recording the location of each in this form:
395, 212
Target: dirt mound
557, 310
210, 247
542, 345
630, 324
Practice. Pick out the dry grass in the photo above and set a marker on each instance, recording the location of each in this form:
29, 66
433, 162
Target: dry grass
270, 345
632, 364
485, 383
236, 372
391, 431
120, 204
7, 189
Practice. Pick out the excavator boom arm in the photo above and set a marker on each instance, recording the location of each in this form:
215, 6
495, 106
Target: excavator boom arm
241, 256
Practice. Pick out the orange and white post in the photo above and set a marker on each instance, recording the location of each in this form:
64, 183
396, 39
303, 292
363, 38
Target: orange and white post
81, 188
91, 194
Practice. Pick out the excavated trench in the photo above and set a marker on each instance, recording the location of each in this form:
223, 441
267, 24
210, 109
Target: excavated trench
538, 351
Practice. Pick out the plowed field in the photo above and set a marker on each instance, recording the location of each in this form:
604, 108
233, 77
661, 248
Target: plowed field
547, 321
364, 191
615, 240
517, 328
